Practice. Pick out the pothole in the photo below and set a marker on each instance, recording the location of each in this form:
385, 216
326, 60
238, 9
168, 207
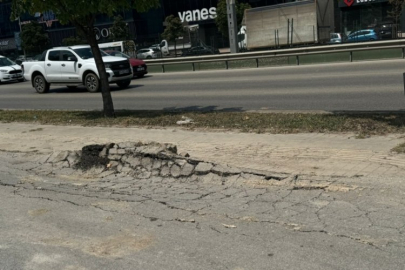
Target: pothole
144, 160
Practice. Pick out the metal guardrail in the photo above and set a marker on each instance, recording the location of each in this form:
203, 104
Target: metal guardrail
297, 52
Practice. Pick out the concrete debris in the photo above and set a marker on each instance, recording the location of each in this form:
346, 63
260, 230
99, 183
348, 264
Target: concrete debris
144, 161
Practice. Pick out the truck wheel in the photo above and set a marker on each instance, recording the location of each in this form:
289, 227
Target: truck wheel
41, 85
124, 84
92, 83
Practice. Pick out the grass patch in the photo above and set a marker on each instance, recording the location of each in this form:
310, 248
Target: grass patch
399, 149
281, 123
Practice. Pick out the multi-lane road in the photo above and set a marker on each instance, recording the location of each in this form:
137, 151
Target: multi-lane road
361, 86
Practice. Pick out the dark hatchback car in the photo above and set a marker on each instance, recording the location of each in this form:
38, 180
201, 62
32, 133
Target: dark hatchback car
198, 50
138, 66
385, 30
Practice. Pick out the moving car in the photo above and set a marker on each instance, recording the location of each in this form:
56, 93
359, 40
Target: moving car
10, 71
138, 66
386, 31
362, 35
198, 50
74, 66
148, 53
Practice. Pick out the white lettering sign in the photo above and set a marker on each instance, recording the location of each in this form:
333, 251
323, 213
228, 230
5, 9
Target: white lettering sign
198, 15
4, 42
105, 32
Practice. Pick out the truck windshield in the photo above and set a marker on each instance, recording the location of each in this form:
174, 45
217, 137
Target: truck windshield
85, 53
4, 62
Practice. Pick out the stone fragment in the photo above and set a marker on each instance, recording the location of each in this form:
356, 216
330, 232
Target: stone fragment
113, 151
133, 161
203, 168
114, 157
58, 157
103, 152
181, 162
112, 165
121, 152
73, 158
63, 164
147, 163
171, 148
187, 169
126, 145
157, 164
145, 175
165, 171
225, 170
126, 169
184, 154
175, 171
95, 170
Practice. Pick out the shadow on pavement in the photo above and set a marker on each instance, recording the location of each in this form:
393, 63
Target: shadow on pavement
82, 89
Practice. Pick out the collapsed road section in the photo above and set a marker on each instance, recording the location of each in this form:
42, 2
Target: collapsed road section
142, 161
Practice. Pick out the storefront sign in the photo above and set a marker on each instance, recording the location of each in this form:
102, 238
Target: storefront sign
7, 44
198, 15
349, 3
4, 42
104, 32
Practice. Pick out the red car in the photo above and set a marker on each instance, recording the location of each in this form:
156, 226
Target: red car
139, 67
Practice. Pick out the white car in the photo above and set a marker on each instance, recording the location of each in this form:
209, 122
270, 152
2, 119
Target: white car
10, 71
148, 53
74, 66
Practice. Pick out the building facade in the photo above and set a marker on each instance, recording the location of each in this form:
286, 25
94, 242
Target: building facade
146, 28
361, 14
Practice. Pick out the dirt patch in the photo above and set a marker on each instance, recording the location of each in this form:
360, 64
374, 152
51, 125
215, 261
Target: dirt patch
118, 246
38, 212
115, 246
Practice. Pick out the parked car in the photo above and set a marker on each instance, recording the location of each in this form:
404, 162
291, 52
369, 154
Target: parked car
10, 71
337, 38
362, 35
138, 66
148, 53
74, 66
155, 46
198, 50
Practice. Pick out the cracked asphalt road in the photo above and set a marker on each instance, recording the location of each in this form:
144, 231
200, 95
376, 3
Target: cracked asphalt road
62, 221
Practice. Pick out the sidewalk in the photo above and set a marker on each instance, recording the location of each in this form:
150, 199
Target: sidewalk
317, 154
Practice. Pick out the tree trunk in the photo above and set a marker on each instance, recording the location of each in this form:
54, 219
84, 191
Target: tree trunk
108, 106
175, 50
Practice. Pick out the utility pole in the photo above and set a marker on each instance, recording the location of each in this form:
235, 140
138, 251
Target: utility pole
232, 25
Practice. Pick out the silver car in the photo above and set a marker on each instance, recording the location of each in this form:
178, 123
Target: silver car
148, 53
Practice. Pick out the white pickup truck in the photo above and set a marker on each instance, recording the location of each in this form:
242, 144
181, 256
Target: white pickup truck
74, 66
